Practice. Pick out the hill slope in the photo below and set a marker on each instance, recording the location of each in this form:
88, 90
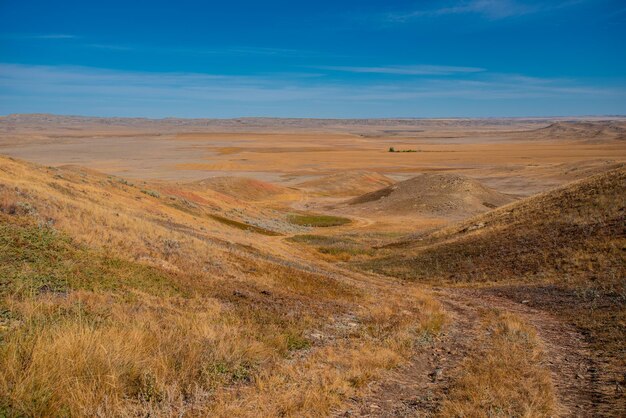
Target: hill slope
122, 299
433, 195
548, 232
244, 188
347, 183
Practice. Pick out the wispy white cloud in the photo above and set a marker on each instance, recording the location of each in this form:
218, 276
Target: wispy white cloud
226, 51
405, 69
489, 9
55, 36
233, 50
111, 47
63, 89
42, 36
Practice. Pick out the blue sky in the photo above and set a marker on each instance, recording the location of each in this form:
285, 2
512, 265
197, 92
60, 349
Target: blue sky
351, 58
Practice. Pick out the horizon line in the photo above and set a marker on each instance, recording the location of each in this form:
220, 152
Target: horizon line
319, 118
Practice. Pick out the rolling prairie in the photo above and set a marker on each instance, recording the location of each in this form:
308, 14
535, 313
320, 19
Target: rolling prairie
296, 267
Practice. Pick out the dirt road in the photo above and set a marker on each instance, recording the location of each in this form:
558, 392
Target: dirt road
418, 389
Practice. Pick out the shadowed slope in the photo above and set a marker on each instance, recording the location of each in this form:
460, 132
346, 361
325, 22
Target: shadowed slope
561, 230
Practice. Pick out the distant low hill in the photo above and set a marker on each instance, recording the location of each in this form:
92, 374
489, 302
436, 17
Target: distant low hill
433, 195
244, 188
587, 130
347, 183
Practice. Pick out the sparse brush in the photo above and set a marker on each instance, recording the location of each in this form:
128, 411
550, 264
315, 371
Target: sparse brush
152, 193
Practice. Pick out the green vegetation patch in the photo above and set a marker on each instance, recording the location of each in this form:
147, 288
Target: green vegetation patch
243, 226
319, 221
392, 149
38, 259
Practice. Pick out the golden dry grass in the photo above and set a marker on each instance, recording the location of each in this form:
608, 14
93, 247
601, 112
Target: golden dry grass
574, 231
115, 302
505, 376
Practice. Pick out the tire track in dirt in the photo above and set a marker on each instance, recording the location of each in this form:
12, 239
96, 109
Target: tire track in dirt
419, 388
568, 357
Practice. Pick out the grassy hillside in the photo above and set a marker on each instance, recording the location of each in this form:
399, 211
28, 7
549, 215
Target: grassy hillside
125, 299
346, 183
245, 188
562, 251
573, 234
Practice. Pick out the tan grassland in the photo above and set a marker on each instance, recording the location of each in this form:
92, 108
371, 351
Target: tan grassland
293, 267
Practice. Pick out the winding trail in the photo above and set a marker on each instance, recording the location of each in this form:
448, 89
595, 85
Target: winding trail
418, 388
574, 372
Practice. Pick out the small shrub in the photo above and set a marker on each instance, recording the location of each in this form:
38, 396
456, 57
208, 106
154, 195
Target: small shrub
170, 247
19, 208
152, 193
392, 149
297, 342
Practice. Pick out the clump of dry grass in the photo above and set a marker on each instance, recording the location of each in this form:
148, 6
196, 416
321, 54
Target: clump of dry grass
383, 337
505, 376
